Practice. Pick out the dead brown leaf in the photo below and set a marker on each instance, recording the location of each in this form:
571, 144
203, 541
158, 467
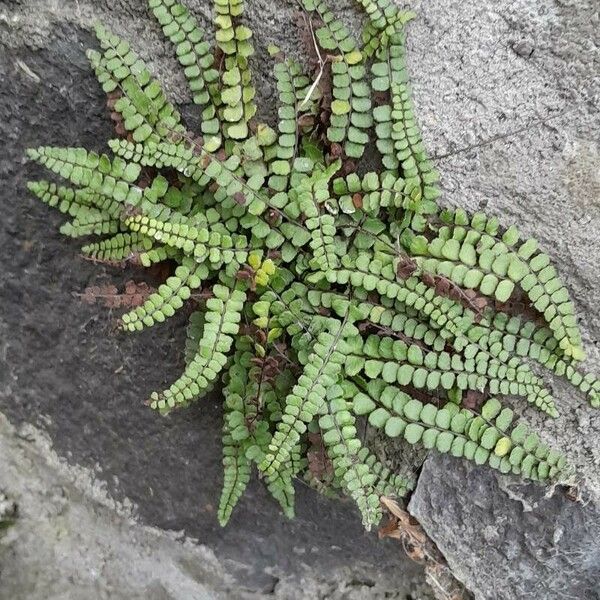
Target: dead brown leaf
108, 295
319, 463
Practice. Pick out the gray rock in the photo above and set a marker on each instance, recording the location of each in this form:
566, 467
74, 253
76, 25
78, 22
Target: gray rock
70, 540
507, 539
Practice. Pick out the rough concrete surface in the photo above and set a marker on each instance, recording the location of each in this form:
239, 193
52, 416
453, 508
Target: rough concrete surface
507, 93
70, 540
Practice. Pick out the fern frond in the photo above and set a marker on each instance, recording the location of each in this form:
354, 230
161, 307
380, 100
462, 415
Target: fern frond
236, 475
340, 439
351, 103
66, 200
373, 191
281, 485
118, 247
193, 53
203, 243
98, 173
479, 261
237, 92
385, 21
233, 190
420, 177
236, 433
221, 323
304, 402
168, 299
486, 438
297, 99
90, 221
143, 105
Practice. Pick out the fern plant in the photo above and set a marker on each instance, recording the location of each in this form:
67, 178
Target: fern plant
329, 296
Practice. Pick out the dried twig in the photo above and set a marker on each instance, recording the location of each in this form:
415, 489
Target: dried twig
418, 547
322, 63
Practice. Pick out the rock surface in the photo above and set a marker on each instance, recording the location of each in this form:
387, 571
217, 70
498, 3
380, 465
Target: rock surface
508, 97
69, 540
507, 539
